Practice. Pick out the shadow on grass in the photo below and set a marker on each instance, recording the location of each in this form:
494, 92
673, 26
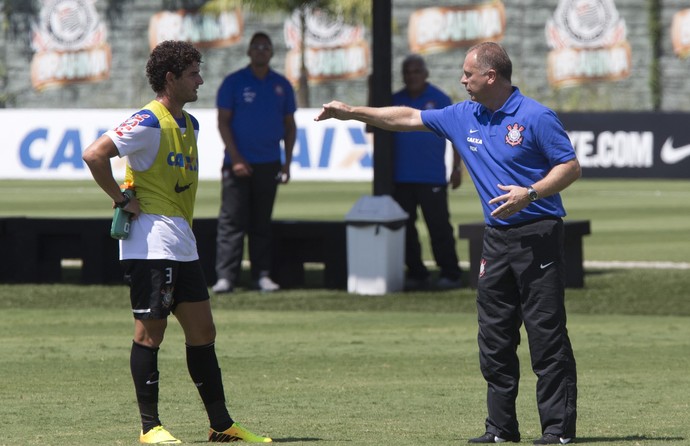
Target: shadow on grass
626, 438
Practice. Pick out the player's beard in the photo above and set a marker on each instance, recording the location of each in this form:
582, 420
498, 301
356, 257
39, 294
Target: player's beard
193, 96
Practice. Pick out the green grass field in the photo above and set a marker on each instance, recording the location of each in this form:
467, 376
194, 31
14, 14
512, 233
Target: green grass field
322, 367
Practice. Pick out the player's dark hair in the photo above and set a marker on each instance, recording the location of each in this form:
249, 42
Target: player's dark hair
171, 56
492, 56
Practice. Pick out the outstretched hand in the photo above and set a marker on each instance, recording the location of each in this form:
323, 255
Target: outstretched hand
334, 109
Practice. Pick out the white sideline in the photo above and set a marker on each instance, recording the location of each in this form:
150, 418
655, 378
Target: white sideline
612, 264
606, 264
593, 264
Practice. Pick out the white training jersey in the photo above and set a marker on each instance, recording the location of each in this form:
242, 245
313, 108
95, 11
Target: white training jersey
152, 236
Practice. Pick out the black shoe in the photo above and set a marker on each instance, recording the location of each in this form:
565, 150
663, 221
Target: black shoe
552, 439
491, 438
446, 283
416, 283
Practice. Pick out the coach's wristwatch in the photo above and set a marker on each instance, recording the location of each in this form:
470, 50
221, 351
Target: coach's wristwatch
533, 194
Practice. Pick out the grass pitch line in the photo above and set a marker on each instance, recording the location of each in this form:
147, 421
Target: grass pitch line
612, 264
606, 264
592, 264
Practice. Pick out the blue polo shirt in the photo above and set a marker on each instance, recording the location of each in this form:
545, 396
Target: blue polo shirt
419, 157
516, 145
258, 107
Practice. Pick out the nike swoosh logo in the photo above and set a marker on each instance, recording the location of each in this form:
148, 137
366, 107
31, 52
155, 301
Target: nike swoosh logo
149, 382
179, 189
473, 130
674, 155
546, 265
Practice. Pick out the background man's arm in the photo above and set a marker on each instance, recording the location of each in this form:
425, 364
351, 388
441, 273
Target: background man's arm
239, 165
456, 172
289, 143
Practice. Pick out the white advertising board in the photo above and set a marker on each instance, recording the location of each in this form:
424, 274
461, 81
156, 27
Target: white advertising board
48, 144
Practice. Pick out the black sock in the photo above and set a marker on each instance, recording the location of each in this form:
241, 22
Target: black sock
202, 364
143, 362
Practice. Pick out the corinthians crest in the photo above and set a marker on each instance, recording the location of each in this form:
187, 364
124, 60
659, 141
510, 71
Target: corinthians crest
167, 296
68, 25
585, 24
70, 44
514, 136
588, 41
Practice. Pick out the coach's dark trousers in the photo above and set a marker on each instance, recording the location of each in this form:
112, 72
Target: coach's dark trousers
522, 280
246, 208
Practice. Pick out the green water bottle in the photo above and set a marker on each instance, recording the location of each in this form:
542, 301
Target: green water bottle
119, 229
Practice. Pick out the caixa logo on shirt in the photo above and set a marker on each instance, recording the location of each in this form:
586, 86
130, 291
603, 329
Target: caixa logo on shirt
186, 162
473, 140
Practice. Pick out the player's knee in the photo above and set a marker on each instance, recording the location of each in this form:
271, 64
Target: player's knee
147, 340
201, 335
211, 332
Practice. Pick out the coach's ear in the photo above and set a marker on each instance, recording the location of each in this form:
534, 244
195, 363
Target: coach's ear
491, 74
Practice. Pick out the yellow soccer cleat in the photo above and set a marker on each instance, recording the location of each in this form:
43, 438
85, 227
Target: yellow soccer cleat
236, 432
158, 435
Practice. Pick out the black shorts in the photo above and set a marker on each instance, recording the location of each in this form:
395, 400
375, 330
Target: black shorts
156, 287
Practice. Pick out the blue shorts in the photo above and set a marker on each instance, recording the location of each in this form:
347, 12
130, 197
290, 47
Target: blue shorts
156, 287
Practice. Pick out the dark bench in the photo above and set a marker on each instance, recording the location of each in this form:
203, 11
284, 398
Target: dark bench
33, 250
574, 230
296, 242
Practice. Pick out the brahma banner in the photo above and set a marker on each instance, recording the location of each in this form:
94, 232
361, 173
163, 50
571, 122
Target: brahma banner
437, 29
334, 50
210, 29
680, 33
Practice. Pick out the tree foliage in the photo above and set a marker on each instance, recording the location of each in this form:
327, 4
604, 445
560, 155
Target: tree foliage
349, 10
